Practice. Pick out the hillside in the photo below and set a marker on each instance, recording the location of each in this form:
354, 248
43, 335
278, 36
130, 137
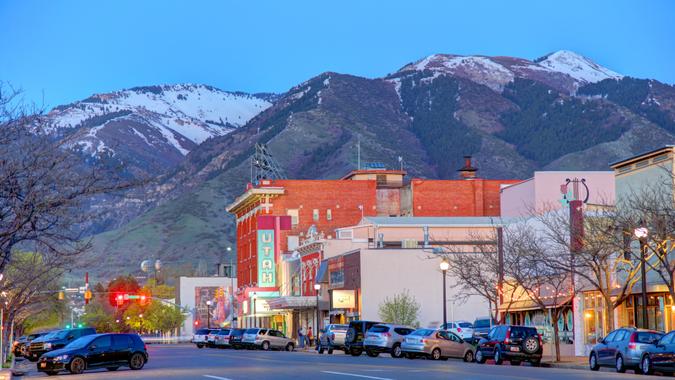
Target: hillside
561, 111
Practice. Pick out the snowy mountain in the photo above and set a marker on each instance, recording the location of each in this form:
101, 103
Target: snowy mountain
151, 128
563, 70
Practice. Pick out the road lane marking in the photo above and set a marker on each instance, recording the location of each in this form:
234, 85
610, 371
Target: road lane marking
356, 375
217, 377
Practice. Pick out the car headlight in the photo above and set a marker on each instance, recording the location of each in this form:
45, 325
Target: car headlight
61, 358
48, 345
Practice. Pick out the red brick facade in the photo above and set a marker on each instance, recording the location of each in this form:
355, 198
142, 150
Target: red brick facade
475, 197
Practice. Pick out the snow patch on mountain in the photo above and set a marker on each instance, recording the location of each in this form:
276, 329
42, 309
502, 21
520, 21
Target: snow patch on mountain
577, 66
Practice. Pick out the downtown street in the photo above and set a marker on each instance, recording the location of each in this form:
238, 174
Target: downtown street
186, 362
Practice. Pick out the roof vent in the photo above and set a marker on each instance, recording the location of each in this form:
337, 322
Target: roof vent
468, 171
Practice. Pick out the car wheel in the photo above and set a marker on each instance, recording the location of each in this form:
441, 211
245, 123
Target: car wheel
468, 357
480, 358
355, 352
593, 362
498, 357
515, 363
531, 345
330, 351
200, 346
646, 365
396, 351
620, 366
436, 354
290, 347
266, 346
320, 349
137, 361
112, 368
372, 354
77, 366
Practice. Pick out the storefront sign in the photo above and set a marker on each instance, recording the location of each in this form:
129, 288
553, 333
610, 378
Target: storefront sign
344, 299
266, 265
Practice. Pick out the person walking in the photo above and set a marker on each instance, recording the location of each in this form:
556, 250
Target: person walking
309, 336
301, 337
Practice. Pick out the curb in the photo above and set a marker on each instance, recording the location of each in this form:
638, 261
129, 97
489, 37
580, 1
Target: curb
565, 365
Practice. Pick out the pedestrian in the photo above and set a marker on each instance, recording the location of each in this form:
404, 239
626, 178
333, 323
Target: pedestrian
309, 336
301, 337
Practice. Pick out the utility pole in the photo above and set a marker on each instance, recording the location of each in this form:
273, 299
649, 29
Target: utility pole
500, 280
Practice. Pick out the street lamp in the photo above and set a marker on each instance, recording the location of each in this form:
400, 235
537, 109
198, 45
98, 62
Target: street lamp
141, 322
641, 233
208, 314
444, 268
317, 287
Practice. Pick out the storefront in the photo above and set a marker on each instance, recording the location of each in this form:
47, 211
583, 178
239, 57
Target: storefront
341, 275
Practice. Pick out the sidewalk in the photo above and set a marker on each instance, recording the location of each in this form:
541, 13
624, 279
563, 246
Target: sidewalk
569, 362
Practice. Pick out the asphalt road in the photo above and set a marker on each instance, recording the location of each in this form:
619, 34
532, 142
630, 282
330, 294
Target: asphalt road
188, 362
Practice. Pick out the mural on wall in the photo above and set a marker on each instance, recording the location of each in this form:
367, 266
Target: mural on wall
220, 309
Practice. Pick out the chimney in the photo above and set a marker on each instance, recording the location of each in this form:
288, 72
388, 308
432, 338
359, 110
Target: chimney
468, 171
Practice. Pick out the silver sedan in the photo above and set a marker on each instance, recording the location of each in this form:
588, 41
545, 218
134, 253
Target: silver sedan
437, 344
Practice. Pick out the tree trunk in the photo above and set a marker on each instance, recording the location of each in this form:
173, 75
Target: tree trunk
609, 315
555, 316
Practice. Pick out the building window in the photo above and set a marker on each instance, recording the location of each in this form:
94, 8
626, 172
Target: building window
329, 215
315, 214
293, 213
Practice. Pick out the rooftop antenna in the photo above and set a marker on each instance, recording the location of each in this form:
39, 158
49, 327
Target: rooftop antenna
358, 153
400, 161
264, 166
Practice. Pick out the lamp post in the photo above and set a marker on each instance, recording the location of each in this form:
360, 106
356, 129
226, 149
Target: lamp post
141, 323
444, 269
641, 233
317, 287
208, 314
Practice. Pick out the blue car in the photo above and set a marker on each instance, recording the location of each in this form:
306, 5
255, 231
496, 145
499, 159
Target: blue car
660, 357
622, 349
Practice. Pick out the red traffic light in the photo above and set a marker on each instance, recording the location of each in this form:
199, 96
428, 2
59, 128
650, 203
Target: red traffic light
120, 297
196, 323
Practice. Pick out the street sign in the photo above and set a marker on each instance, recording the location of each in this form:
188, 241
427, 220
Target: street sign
72, 290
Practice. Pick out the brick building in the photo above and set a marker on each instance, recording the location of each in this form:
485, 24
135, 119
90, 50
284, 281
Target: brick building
276, 217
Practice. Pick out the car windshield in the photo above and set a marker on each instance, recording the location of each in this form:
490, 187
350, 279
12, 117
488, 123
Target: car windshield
481, 323
237, 332
465, 324
252, 331
202, 332
422, 332
59, 334
224, 332
80, 342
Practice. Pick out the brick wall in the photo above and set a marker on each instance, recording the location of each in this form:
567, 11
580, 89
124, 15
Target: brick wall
477, 197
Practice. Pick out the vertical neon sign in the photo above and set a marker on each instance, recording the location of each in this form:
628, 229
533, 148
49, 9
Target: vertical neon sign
266, 265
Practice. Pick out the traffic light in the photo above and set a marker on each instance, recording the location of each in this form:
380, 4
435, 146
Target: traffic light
196, 323
79, 325
143, 299
119, 299
62, 296
87, 296
67, 326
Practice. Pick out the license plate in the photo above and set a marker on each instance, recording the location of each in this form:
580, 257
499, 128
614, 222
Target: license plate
43, 365
515, 349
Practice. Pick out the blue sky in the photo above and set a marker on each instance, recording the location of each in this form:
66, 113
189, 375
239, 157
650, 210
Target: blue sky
62, 51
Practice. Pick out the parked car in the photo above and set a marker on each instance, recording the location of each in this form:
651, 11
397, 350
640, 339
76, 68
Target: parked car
211, 338
236, 338
55, 340
355, 336
660, 357
200, 337
109, 351
437, 344
622, 349
267, 339
386, 338
462, 328
332, 338
20, 346
482, 326
222, 338
514, 343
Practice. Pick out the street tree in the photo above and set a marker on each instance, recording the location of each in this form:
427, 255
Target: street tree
44, 184
402, 309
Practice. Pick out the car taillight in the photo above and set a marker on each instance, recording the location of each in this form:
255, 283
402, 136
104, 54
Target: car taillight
632, 342
459, 329
508, 336
386, 334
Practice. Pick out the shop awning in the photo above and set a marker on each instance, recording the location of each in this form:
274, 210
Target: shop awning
292, 302
525, 305
322, 273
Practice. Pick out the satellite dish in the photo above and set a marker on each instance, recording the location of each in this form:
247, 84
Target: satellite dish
158, 265
145, 266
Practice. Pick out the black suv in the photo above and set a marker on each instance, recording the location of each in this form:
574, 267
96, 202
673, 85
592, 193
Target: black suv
355, 336
55, 340
236, 337
513, 343
109, 351
20, 347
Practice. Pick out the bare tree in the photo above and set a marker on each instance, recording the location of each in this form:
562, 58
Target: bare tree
548, 286
43, 185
